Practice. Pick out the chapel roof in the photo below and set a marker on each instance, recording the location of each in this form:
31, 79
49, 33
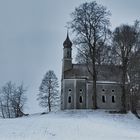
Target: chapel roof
104, 72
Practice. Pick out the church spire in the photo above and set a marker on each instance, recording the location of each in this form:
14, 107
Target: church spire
67, 54
67, 43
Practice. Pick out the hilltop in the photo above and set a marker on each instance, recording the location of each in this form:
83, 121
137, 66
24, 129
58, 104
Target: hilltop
71, 125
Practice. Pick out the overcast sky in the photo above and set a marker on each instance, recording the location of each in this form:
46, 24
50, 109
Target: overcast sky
32, 33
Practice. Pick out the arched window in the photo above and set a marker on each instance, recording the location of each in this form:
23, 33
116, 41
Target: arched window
80, 99
103, 99
68, 54
69, 99
113, 99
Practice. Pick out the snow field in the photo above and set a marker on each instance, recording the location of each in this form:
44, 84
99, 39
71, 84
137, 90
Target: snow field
72, 125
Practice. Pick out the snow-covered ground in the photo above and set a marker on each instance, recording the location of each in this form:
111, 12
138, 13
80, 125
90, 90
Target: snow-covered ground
72, 125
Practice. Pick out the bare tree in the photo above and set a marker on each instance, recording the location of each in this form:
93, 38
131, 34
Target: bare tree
124, 42
18, 100
134, 73
7, 91
2, 108
104, 55
12, 100
48, 91
90, 23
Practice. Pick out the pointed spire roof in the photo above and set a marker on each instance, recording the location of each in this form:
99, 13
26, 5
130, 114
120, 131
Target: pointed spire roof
67, 43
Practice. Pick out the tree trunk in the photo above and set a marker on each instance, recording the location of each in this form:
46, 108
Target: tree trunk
49, 102
94, 76
8, 110
49, 105
133, 102
94, 94
2, 109
123, 97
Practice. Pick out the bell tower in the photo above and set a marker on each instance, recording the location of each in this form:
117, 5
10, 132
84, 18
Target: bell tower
67, 54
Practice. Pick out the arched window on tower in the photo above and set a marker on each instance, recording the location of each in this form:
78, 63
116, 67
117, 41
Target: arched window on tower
80, 99
68, 54
103, 98
113, 99
69, 99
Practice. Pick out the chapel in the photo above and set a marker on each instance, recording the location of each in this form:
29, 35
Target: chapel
77, 87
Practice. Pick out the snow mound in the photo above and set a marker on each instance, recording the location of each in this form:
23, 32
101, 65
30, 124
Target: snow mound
72, 125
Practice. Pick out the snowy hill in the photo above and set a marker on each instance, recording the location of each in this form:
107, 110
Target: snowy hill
72, 125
